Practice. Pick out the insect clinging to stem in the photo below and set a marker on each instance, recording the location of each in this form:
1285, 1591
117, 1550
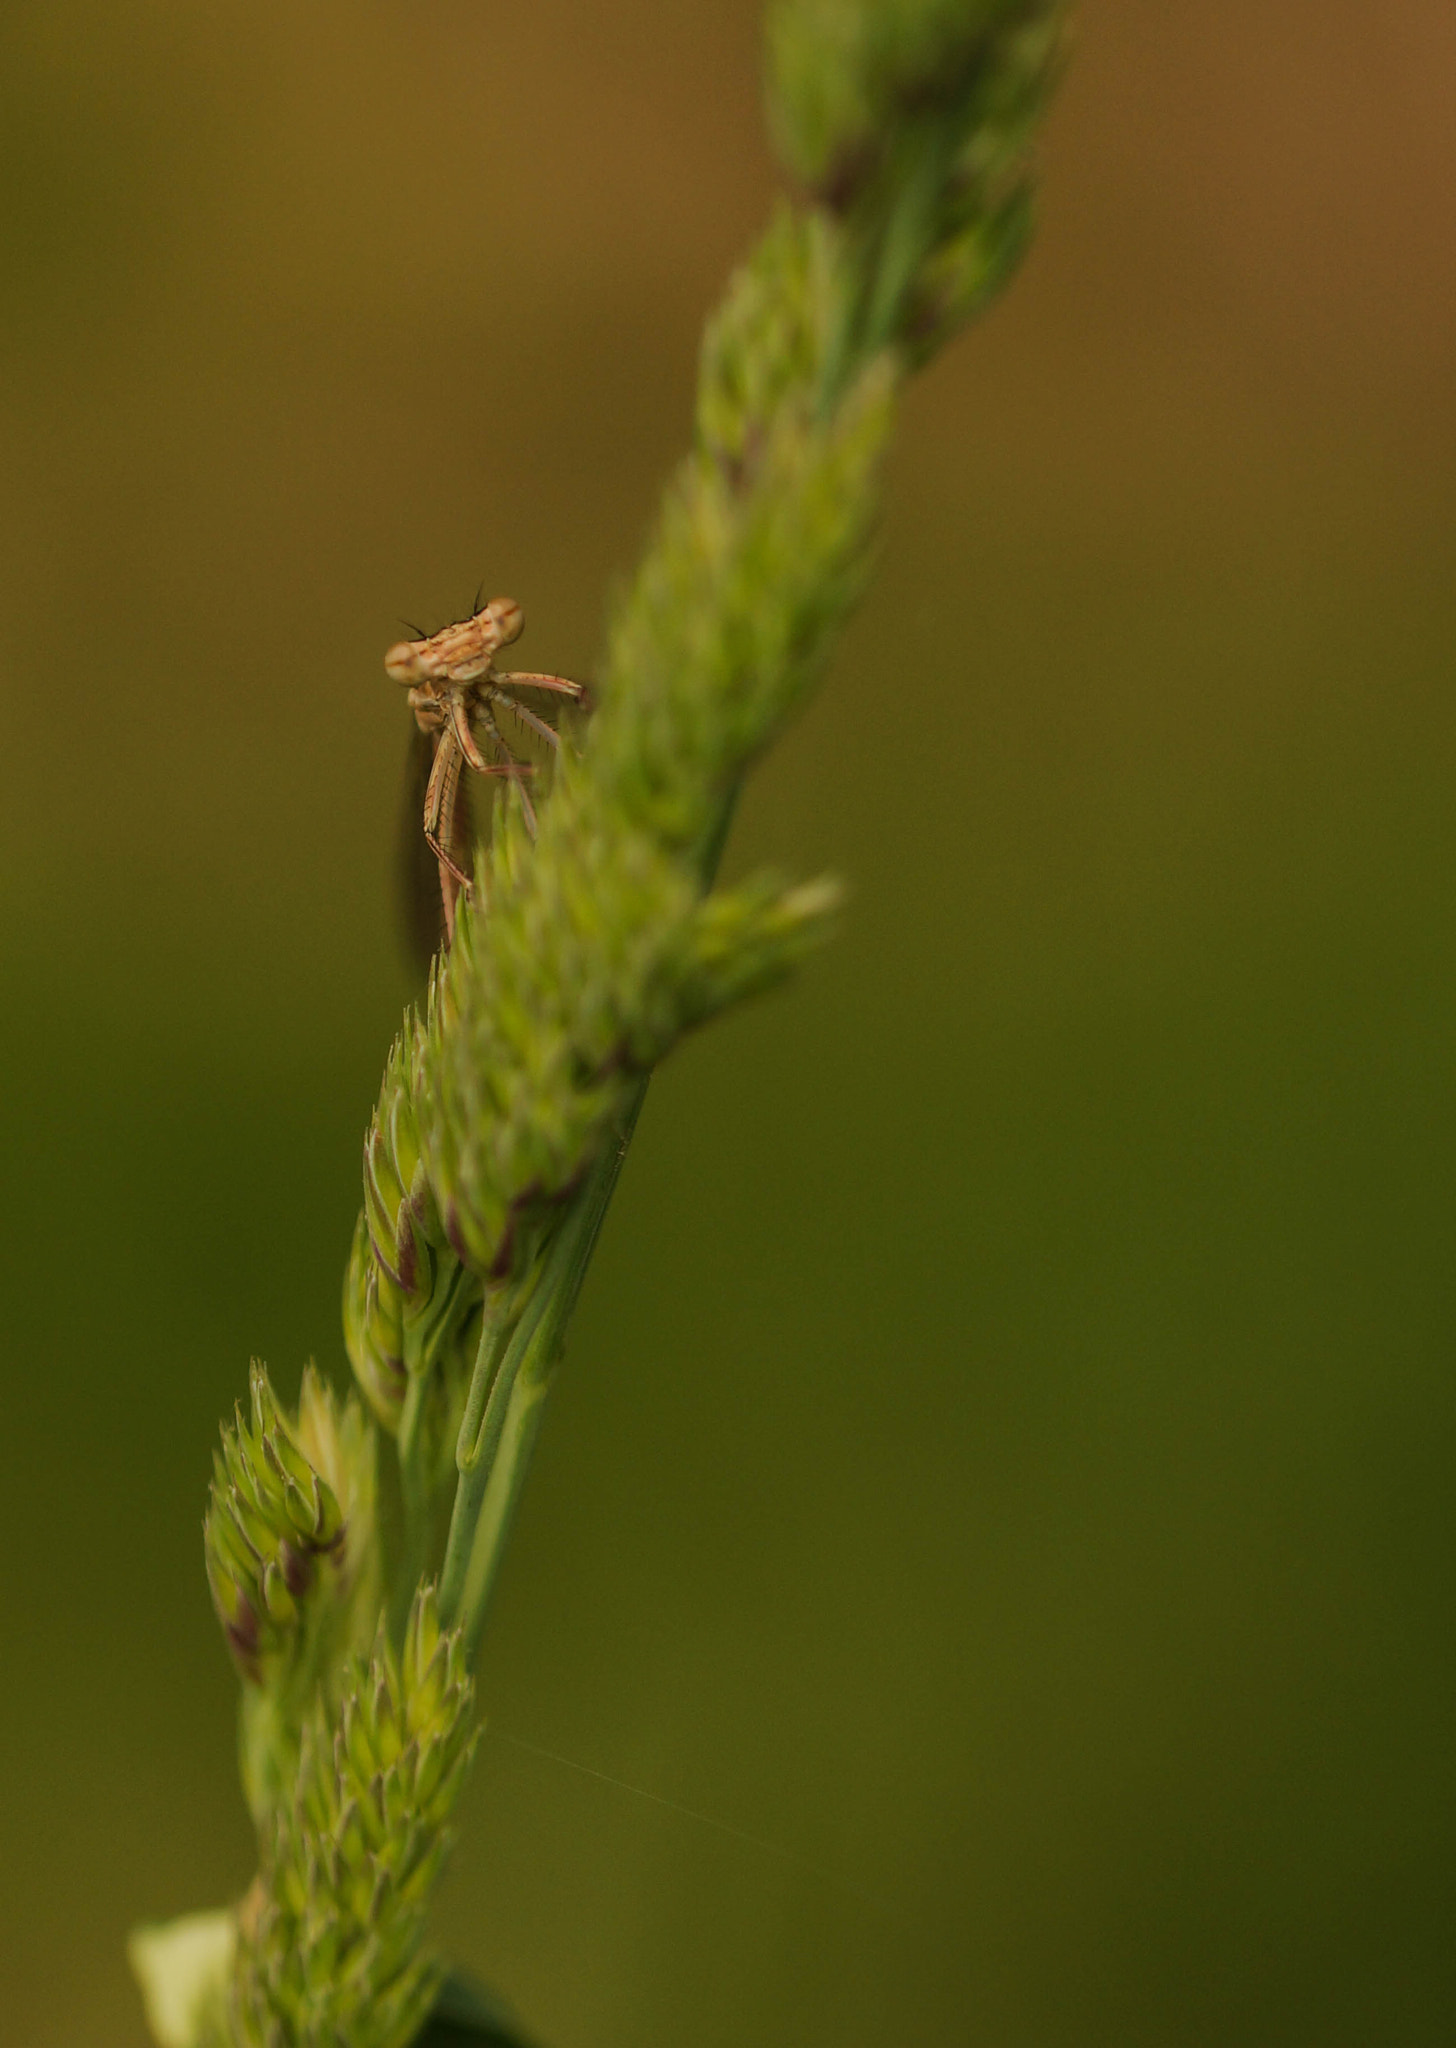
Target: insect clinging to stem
455, 691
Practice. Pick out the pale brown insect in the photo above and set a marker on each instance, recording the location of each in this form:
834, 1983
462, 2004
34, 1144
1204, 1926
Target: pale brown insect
455, 690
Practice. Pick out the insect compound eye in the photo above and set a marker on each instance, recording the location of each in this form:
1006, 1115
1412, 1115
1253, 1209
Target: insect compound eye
508, 618
402, 663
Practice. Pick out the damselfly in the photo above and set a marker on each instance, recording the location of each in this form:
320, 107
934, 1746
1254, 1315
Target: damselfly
458, 695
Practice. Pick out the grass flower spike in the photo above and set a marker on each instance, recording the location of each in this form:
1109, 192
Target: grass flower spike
330, 1951
592, 937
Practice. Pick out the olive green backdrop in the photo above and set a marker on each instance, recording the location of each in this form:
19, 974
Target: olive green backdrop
1005, 1457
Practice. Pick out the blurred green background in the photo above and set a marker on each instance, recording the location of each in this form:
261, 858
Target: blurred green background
1005, 1457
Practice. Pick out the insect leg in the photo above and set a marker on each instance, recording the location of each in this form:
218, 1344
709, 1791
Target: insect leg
466, 741
464, 737
537, 725
440, 798
518, 771
528, 809
563, 685
449, 897
435, 787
